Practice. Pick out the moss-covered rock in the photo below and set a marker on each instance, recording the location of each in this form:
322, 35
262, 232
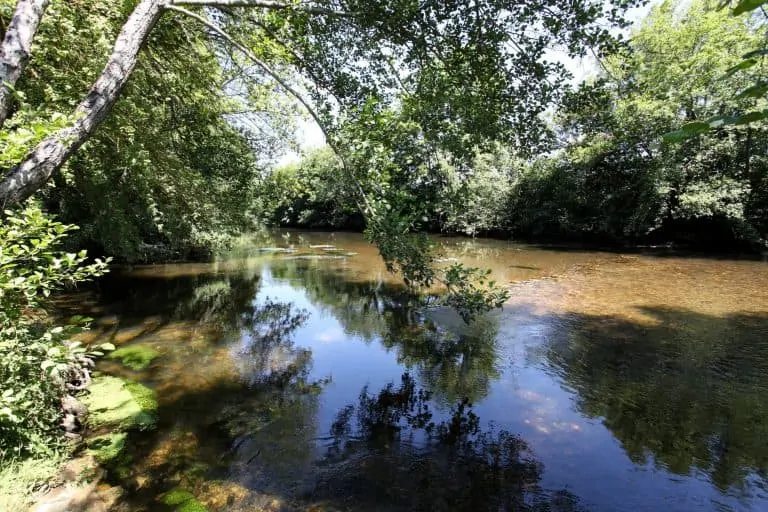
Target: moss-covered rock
136, 357
183, 501
121, 405
110, 452
108, 449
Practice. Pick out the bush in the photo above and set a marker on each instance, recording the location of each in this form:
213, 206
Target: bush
40, 361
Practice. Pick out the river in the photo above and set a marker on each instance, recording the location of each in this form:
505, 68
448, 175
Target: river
304, 380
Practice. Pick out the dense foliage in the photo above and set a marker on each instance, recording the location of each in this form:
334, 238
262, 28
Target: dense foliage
40, 363
610, 177
171, 172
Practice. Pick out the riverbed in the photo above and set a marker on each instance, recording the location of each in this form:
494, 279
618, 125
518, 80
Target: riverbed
301, 376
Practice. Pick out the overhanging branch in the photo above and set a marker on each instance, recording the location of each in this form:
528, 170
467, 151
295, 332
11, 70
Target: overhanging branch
290, 89
266, 4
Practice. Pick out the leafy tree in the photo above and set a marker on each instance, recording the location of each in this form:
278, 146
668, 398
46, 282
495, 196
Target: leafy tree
312, 193
382, 78
615, 176
176, 145
749, 61
41, 364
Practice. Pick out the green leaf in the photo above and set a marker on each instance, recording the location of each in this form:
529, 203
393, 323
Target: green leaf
720, 121
751, 117
756, 91
747, 5
755, 53
745, 64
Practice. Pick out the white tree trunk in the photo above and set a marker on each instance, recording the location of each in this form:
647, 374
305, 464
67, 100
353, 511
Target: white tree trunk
15, 50
51, 153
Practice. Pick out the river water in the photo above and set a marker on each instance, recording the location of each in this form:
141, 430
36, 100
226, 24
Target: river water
305, 380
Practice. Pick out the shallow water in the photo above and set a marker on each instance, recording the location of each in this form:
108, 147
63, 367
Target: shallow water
304, 380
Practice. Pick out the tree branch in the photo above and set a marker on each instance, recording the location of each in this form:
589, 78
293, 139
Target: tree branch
266, 4
52, 152
293, 92
14, 52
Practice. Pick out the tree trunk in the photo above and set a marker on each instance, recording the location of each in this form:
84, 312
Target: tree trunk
15, 50
52, 152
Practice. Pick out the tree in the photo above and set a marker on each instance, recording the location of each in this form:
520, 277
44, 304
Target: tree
443, 43
755, 91
617, 178
390, 83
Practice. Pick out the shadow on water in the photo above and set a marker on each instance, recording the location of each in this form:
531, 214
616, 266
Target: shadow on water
689, 393
239, 405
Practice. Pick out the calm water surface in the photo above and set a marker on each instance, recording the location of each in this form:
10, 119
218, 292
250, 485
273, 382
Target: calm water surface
305, 381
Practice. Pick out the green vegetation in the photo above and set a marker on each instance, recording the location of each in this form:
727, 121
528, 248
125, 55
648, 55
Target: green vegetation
135, 357
41, 363
118, 404
109, 449
609, 177
155, 128
18, 480
183, 501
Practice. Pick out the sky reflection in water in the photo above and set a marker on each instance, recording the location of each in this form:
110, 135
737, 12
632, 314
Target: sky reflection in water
608, 383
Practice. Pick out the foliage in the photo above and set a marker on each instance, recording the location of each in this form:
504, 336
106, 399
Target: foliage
171, 172
713, 186
19, 479
757, 90
612, 179
313, 193
40, 361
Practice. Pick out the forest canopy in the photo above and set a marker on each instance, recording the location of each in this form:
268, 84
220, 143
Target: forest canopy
622, 164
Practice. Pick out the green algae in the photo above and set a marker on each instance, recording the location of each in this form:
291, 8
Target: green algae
108, 449
183, 501
121, 405
135, 357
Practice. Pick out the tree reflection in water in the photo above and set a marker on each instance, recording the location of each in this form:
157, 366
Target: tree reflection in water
687, 393
453, 360
387, 451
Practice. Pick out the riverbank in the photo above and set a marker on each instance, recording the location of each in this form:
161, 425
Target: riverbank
77, 479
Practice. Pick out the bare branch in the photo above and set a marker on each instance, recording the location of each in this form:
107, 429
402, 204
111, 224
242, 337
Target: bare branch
266, 4
14, 53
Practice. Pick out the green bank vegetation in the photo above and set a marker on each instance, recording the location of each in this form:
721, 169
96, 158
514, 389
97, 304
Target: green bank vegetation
618, 170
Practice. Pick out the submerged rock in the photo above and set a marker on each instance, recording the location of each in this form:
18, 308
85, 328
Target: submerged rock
109, 449
277, 250
136, 357
80, 489
183, 501
120, 405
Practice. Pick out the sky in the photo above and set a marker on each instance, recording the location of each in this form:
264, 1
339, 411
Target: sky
310, 136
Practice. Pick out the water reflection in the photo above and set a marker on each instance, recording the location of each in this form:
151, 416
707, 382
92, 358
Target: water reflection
393, 455
688, 393
311, 384
453, 360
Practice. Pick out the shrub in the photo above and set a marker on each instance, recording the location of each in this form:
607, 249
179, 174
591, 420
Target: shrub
40, 360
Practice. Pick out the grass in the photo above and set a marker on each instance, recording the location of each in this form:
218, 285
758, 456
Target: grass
17, 480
